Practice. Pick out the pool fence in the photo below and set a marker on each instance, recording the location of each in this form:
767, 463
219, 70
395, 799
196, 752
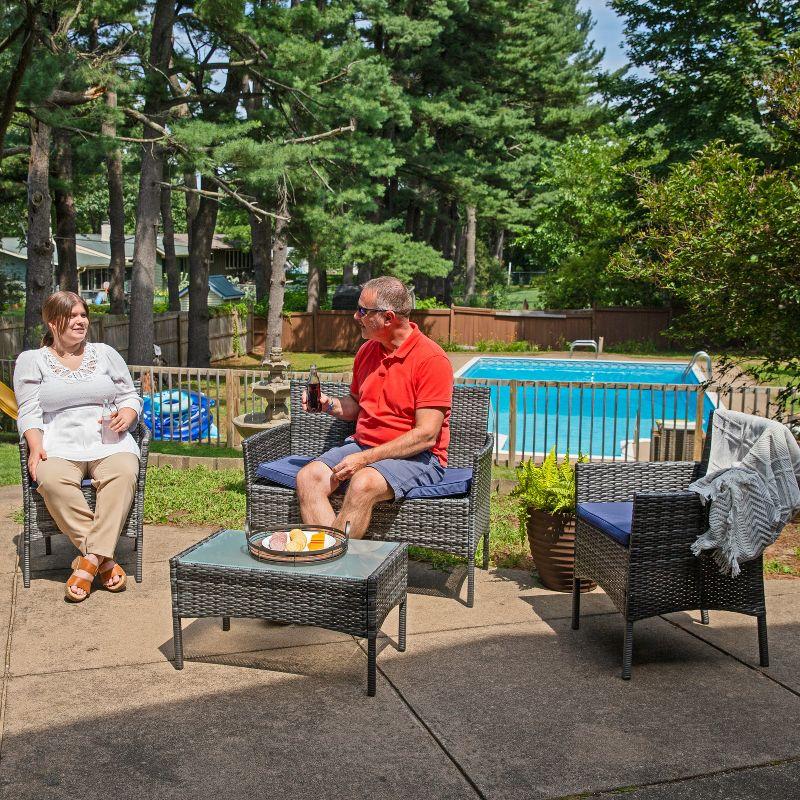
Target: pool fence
606, 421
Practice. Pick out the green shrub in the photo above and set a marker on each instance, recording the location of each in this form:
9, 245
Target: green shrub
451, 347
501, 346
643, 347
429, 302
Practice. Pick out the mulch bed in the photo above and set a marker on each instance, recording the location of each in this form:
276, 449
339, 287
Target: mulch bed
786, 551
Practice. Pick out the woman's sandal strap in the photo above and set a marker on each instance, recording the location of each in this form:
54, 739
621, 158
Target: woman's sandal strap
114, 569
80, 562
107, 574
79, 583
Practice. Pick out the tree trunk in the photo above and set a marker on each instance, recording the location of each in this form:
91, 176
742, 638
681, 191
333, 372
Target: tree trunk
203, 227
18, 73
364, 274
313, 280
347, 274
192, 202
261, 249
67, 275
277, 282
116, 215
140, 337
499, 245
39, 277
469, 289
170, 261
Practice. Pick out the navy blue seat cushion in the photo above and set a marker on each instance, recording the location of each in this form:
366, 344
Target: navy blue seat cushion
614, 519
284, 472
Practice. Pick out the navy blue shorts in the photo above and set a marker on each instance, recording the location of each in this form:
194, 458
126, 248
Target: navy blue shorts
402, 474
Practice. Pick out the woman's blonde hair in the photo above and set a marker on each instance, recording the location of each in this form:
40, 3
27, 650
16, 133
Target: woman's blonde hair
58, 310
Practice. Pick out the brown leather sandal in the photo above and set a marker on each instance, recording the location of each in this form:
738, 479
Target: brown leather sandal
107, 573
80, 564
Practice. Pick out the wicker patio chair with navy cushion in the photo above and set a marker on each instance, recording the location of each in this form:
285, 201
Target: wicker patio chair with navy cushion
635, 526
451, 516
38, 524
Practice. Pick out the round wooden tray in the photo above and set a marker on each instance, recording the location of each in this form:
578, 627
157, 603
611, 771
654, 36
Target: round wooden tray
255, 545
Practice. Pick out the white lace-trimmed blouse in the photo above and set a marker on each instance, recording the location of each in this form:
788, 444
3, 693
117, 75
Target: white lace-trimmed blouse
66, 404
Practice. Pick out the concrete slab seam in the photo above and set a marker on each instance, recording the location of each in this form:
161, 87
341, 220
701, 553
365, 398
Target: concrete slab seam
7, 659
193, 657
439, 743
488, 625
616, 790
720, 649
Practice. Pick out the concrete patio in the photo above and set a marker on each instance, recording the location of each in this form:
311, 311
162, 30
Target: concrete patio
500, 701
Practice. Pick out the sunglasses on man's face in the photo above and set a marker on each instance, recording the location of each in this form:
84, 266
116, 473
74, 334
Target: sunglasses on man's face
362, 311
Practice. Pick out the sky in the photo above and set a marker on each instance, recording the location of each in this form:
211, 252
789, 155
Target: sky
607, 33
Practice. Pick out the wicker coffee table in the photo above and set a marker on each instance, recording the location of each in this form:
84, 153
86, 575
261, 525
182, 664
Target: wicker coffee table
218, 577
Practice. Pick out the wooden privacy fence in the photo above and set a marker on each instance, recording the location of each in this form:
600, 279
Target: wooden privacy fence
606, 421
320, 331
307, 332
170, 331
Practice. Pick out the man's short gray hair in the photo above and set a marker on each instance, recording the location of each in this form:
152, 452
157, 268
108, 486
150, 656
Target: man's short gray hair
390, 293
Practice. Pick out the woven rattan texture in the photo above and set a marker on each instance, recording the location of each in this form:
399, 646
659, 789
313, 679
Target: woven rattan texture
658, 573
354, 606
38, 524
450, 524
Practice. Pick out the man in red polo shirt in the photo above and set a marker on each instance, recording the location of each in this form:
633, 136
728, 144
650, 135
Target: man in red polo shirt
400, 399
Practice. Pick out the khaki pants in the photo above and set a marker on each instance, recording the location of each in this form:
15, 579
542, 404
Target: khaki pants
114, 479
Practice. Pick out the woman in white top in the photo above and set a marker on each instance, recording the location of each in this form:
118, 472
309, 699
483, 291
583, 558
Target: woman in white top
61, 390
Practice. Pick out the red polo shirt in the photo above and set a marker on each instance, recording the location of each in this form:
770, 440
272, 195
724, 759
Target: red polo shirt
390, 389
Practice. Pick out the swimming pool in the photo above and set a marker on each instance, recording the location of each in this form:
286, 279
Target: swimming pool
596, 408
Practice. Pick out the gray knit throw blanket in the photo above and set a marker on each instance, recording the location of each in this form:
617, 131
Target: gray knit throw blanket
752, 484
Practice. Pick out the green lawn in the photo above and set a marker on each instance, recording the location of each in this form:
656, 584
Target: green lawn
299, 362
198, 450
520, 293
9, 464
197, 496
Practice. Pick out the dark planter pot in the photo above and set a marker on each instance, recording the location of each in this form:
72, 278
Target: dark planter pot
552, 541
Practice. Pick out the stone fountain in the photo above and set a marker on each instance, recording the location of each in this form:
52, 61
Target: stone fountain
275, 393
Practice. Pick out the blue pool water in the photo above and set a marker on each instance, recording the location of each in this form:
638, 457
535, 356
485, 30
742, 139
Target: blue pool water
586, 418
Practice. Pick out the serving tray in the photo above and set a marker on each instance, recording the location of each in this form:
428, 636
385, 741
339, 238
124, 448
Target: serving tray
258, 544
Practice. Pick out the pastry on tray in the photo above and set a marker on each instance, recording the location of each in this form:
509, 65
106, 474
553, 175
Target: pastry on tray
298, 537
293, 546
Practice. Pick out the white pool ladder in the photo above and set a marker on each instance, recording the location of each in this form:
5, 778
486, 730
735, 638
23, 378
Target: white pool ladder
700, 354
583, 343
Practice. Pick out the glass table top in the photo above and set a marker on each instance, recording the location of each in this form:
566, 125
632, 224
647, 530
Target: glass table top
229, 549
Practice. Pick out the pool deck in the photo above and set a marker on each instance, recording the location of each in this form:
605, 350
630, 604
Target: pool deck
499, 702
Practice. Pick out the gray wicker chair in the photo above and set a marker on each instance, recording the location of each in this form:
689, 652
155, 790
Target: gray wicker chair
450, 524
657, 572
38, 524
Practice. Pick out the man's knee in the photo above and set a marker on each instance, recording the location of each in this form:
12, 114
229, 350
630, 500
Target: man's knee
314, 478
368, 485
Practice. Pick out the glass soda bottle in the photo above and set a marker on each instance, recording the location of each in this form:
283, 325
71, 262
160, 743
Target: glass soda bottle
108, 436
314, 390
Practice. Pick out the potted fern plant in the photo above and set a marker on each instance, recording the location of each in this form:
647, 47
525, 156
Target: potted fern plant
546, 494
